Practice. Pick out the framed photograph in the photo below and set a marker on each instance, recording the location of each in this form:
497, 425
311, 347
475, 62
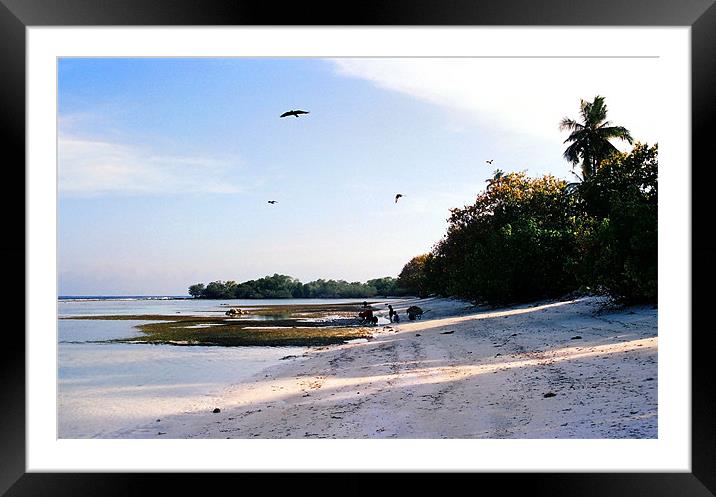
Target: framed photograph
416, 239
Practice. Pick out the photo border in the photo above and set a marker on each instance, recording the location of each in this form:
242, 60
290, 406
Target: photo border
700, 15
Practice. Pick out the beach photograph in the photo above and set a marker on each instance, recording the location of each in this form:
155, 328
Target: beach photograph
357, 248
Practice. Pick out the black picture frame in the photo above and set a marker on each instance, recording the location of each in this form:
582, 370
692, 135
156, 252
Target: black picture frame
700, 15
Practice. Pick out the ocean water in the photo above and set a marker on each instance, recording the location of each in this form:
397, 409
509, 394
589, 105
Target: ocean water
92, 306
105, 389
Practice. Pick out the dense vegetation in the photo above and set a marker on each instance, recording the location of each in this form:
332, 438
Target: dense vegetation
280, 286
618, 241
527, 238
515, 243
414, 277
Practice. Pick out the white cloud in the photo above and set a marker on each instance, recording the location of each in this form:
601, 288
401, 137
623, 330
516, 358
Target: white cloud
92, 167
527, 96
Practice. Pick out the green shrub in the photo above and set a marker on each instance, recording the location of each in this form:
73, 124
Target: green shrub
514, 243
620, 248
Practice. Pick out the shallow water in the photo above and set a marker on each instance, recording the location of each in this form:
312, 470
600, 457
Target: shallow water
104, 389
190, 307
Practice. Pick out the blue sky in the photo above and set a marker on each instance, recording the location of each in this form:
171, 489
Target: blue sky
166, 165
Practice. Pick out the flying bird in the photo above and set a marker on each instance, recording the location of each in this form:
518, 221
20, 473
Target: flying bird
489, 161
397, 197
273, 201
294, 113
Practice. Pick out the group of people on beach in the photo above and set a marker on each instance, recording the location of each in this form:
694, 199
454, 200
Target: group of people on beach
414, 312
393, 315
367, 314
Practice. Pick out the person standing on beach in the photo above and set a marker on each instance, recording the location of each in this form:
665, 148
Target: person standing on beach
391, 313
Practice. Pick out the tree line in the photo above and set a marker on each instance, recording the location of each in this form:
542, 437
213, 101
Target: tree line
281, 286
529, 238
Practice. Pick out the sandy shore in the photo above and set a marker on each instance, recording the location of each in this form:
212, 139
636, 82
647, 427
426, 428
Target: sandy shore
551, 370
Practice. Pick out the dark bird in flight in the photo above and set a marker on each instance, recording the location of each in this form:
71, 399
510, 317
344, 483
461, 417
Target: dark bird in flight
273, 201
489, 161
294, 113
397, 197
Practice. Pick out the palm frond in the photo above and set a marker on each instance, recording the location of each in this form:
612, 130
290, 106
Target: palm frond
617, 132
579, 135
573, 152
567, 124
584, 110
598, 110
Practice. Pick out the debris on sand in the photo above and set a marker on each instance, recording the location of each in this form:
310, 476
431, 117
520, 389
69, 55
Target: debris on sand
216, 410
448, 332
576, 337
549, 394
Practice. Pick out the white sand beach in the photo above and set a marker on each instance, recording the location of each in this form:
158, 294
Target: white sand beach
566, 369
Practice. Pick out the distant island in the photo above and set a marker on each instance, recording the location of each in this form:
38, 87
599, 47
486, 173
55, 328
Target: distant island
280, 286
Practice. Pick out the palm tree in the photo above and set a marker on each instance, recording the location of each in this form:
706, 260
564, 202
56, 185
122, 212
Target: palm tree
590, 138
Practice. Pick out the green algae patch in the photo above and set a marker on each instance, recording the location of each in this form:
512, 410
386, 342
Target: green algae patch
238, 334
